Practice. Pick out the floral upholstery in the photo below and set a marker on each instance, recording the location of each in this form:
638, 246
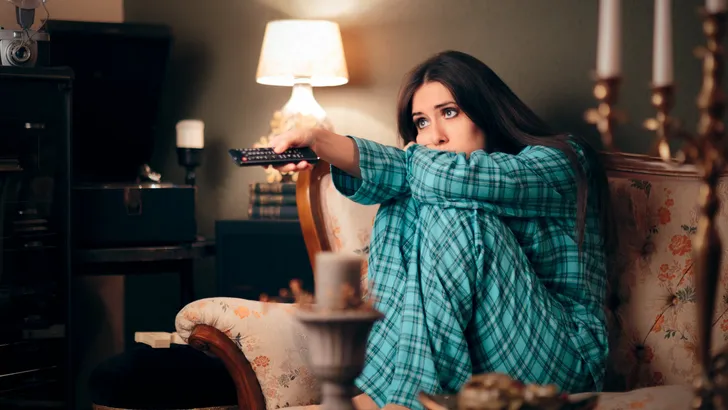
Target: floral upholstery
651, 304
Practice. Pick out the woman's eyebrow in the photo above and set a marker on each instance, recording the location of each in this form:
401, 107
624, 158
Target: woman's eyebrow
437, 107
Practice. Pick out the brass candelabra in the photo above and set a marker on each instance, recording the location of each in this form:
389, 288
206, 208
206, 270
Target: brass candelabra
707, 150
606, 116
663, 124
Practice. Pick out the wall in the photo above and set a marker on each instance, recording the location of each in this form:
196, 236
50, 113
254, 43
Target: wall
87, 10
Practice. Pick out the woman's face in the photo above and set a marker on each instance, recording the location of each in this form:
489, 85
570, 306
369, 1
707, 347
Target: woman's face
441, 124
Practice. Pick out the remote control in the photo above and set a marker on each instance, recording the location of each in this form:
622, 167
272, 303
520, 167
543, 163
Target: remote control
266, 156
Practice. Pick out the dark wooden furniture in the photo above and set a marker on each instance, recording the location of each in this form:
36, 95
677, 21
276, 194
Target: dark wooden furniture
247, 248
146, 260
35, 237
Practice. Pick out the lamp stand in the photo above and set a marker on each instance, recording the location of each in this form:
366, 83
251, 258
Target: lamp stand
301, 111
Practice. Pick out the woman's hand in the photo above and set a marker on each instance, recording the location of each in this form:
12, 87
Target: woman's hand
294, 138
364, 402
337, 150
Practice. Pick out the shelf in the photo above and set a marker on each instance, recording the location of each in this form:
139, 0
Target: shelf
33, 389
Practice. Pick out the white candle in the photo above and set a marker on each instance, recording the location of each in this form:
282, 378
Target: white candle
190, 134
662, 44
715, 6
609, 40
338, 280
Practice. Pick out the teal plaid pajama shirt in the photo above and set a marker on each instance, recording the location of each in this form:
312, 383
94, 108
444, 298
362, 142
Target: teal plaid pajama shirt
475, 265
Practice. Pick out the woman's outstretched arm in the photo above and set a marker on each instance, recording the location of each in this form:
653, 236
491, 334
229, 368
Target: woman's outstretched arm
338, 150
538, 182
363, 170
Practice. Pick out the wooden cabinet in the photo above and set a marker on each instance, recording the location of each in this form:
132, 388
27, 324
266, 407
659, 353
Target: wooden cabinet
260, 256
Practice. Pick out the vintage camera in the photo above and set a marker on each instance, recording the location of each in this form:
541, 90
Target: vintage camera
24, 48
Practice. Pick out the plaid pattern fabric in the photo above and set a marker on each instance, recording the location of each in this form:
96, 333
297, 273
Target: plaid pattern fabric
474, 264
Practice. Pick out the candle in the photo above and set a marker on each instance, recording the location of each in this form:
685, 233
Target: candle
609, 39
716, 6
662, 74
191, 134
338, 281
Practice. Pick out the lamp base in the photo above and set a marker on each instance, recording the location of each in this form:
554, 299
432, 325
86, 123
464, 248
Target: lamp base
300, 111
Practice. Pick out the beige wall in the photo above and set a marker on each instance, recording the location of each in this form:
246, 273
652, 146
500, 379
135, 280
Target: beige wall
87, 10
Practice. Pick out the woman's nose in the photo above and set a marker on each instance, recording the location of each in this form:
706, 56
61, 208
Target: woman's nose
440, 134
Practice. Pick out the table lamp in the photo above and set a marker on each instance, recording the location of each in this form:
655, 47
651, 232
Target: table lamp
301, 54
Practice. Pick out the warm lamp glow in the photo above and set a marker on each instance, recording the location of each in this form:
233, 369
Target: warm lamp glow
307, 51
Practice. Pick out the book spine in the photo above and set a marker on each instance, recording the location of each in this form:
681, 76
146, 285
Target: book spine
272, 199
273, 188
272, 211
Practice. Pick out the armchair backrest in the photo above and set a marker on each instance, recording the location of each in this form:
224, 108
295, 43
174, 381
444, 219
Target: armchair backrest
652, 300
330, 221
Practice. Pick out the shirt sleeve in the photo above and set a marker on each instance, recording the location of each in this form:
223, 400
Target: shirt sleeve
383, 174
537, 182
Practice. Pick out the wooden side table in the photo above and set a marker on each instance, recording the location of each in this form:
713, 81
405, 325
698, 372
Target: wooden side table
146, 260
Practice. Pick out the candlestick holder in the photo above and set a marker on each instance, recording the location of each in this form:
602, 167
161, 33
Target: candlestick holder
605, 116
190, 159
337, 325
707, 151
337, 345
662, 124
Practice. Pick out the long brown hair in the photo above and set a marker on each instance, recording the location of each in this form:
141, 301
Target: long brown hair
508, 124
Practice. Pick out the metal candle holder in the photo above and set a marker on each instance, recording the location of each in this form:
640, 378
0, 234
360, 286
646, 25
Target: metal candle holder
337, 326
662, 99
707, 151
190, 159
605, 116
337, 345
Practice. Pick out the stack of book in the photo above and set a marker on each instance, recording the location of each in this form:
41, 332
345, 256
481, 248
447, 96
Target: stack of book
273, 200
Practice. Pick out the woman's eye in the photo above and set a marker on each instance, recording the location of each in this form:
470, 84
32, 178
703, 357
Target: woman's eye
421, 123
450, 112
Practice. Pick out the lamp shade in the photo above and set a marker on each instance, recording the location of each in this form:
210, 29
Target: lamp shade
309, 50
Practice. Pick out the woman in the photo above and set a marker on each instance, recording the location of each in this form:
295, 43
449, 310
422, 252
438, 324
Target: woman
488, 249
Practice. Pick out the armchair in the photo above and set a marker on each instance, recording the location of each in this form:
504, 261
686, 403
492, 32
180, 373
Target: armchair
651, 301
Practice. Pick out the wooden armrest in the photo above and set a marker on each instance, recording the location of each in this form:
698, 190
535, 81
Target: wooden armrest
209, 339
